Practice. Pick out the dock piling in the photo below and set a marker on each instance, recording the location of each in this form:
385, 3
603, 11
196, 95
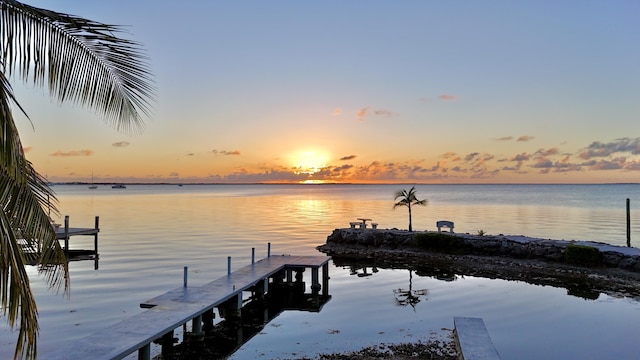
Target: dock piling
253, 255
95, 236
628, 223
66, 233
186, 268
228, 265
268, 249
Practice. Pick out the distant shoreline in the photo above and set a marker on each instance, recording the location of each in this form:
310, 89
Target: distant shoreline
335, 183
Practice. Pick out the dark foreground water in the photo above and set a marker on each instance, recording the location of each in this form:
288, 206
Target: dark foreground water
149, 233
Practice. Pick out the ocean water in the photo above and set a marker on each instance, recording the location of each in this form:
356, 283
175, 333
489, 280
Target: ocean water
148, 233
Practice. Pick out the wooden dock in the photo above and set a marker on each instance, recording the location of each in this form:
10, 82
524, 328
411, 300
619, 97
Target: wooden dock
65, 233
472, 340
195, 304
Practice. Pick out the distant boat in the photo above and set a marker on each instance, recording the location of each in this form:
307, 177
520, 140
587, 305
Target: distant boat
92, 186
118, 186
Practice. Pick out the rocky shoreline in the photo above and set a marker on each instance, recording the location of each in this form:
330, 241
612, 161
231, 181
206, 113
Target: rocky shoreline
536, 261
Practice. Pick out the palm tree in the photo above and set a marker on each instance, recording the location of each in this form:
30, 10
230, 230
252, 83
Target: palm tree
80, 61
408, 198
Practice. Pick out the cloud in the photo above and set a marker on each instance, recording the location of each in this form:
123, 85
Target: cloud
337, 112
614, 164
598, 149
225, 152
362, 113
27, 149
505, 138
447, 97
450, 155
548, 152
73, 153
471, 156
383, 112
525, 138
174, 175
521, 157
191, 154
120, 144
349, 157
542, 163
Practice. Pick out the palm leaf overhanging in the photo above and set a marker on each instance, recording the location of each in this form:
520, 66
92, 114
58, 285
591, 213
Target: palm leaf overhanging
79, 61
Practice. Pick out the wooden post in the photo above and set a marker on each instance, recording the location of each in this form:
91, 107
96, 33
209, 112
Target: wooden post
196, 328
325, 279
628, 223
166, 343
66, 233
253, 255
186, 271
145, 352
315, 281
95, 237
268, 249
228, 265
207, 320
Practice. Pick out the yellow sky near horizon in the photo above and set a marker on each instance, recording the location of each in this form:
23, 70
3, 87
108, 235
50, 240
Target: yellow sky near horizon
375, 93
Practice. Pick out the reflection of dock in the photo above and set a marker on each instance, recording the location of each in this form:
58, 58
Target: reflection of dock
196, 304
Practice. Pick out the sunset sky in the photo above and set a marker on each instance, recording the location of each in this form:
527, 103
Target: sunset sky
361, 91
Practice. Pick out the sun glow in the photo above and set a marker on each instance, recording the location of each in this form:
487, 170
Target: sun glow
309, 162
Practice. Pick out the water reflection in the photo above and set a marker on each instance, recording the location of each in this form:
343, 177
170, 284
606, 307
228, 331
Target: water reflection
448, 272
410, 296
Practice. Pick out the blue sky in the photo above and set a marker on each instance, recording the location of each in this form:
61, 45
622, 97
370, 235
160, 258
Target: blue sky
375, 91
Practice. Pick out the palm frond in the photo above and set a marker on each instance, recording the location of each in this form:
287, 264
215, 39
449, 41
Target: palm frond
26, 234
80, 60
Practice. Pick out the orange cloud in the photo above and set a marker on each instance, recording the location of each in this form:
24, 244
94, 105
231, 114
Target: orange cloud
362, 113
504, 138
337, 112
27, 149
447, 97
525, 138
350, 157
73, 153
121, 144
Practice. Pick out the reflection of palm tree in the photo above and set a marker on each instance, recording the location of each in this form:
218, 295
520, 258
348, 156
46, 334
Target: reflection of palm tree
81, 61
409, 297
408, 198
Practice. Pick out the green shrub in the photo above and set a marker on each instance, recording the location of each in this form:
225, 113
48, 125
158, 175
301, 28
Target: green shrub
582, 255
437, 242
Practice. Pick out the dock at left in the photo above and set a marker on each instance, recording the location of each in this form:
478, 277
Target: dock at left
65, 233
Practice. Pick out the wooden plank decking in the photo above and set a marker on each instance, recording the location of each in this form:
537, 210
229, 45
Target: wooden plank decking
472, 340
179, 306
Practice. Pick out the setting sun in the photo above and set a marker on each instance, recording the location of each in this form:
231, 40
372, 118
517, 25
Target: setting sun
309, 162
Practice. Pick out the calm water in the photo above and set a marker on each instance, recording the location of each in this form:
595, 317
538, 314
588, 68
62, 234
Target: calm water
149, 233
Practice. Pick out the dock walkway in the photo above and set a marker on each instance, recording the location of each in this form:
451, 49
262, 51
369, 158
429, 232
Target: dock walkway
179, 306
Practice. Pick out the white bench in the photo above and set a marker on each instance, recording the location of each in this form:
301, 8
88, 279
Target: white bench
444, 223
